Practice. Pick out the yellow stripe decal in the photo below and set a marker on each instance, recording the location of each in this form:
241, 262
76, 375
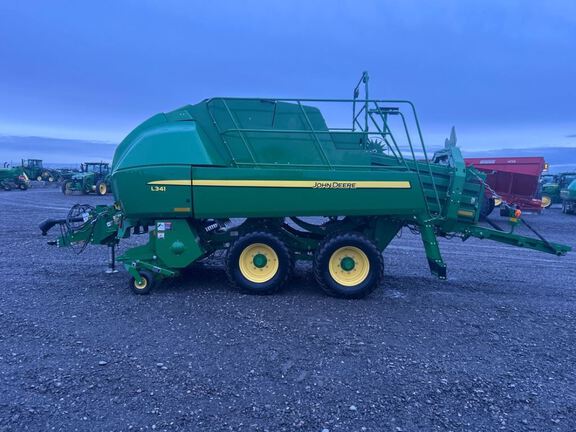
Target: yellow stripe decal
314, 184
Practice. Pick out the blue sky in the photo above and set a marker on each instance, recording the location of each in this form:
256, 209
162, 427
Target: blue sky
503, 72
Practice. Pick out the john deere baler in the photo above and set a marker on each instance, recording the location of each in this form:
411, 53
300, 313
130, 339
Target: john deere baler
269, 182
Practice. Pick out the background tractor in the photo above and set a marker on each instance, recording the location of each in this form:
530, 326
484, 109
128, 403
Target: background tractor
268, 182
568, 196
13, 178
92, 178
552, 185
35, 170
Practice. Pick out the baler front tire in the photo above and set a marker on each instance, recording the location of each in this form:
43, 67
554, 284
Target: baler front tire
363, 274
266, 276
143, 288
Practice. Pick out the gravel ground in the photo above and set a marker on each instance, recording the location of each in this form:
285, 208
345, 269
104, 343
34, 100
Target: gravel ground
492, 348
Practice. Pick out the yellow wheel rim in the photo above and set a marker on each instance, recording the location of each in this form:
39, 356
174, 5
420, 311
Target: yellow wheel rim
497, 202
102, 189
349, 266
258, 263
141, 285
546, 201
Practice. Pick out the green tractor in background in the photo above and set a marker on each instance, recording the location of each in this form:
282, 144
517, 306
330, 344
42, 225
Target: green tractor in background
552, 184
13, 178
568, 196
92, 178
34, 169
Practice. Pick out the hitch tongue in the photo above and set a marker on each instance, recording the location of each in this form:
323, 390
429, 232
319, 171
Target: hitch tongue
47, 225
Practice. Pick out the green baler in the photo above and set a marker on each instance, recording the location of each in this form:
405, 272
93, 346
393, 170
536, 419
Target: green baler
245, 175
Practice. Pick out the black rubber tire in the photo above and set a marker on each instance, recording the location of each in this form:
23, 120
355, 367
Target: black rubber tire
6, 187
322, 272
550, 201
103, 184
238, 280
22, 186
150, 283
64, 187
486, 207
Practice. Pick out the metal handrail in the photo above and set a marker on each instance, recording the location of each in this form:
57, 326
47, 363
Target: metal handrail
241, 136
319, 144
383, 131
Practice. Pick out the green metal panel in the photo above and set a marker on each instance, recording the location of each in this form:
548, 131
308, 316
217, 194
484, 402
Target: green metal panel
176, 243
569, 193
139, 198
164, 144
245, 192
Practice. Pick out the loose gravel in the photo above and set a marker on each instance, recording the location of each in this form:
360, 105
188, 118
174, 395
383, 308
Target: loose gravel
492, 348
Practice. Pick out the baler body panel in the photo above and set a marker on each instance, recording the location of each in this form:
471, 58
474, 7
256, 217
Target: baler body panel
266, 158
141, 198
245, 192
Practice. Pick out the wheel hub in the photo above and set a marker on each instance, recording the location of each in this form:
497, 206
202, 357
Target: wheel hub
258, 263
260, 260
347, 263
349, 266
141, 285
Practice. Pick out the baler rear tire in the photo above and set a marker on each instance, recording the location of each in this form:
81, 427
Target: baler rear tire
148, 283
326, 253
239, 276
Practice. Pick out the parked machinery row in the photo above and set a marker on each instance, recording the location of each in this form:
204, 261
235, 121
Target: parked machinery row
93, 177
13, 178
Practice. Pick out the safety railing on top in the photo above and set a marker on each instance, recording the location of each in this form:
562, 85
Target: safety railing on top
376, 113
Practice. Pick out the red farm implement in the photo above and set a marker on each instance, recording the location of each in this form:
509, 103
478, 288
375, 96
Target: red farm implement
512, 179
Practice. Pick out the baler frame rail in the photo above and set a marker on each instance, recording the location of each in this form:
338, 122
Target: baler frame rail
512, 239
